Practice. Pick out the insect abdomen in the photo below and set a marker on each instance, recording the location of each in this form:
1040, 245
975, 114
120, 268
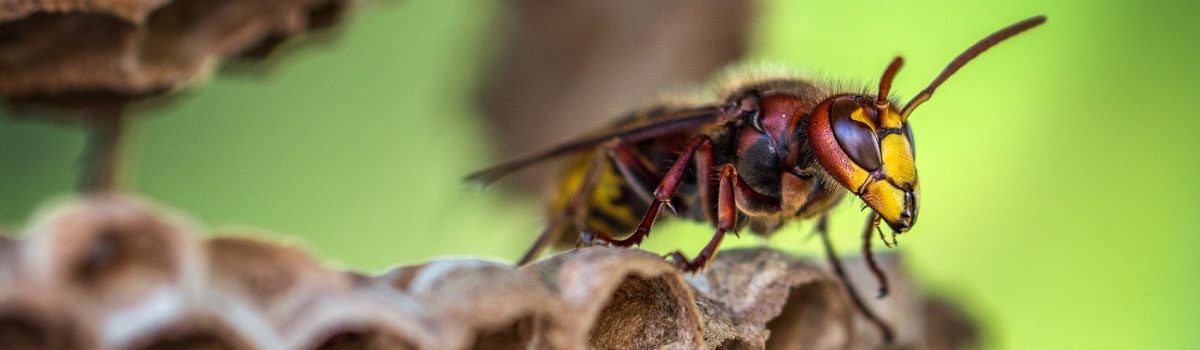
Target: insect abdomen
613, 207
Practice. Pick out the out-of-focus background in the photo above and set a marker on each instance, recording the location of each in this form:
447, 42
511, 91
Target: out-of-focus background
1057, 170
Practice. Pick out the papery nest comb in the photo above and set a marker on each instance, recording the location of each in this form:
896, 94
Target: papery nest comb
110, 272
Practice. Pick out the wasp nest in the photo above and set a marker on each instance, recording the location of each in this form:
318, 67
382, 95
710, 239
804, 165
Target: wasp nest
109, 272
93, 58
98, 54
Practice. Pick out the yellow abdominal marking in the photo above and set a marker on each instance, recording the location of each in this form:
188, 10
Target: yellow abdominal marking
605, 196
572, 179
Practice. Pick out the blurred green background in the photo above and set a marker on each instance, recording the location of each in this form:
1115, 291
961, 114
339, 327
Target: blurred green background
1058, 170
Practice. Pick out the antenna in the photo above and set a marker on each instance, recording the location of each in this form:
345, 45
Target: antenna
885, 82
967, 56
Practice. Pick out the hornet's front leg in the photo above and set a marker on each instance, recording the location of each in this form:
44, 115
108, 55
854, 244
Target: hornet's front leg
873, 224
836, 264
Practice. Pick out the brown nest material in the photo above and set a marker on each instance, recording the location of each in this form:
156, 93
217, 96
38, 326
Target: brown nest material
99, 55
93, 58
110, 272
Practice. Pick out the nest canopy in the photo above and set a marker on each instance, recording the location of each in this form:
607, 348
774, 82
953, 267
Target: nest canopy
83, 53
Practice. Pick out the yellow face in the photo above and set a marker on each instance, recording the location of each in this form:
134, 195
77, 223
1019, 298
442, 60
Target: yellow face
869, 151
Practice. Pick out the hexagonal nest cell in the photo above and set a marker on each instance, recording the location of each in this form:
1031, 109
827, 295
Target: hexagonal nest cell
110, 271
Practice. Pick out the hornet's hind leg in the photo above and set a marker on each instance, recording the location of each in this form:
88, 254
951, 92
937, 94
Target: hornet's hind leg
663, 193
577, 205
634, 171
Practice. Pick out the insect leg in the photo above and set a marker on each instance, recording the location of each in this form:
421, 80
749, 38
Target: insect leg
704, 181
641, 176
662, 194
726, 221
872, 224
575, 206
835, 263
634, 170
638, 176
548, 235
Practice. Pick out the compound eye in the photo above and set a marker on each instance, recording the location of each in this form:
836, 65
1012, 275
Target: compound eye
856, 138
